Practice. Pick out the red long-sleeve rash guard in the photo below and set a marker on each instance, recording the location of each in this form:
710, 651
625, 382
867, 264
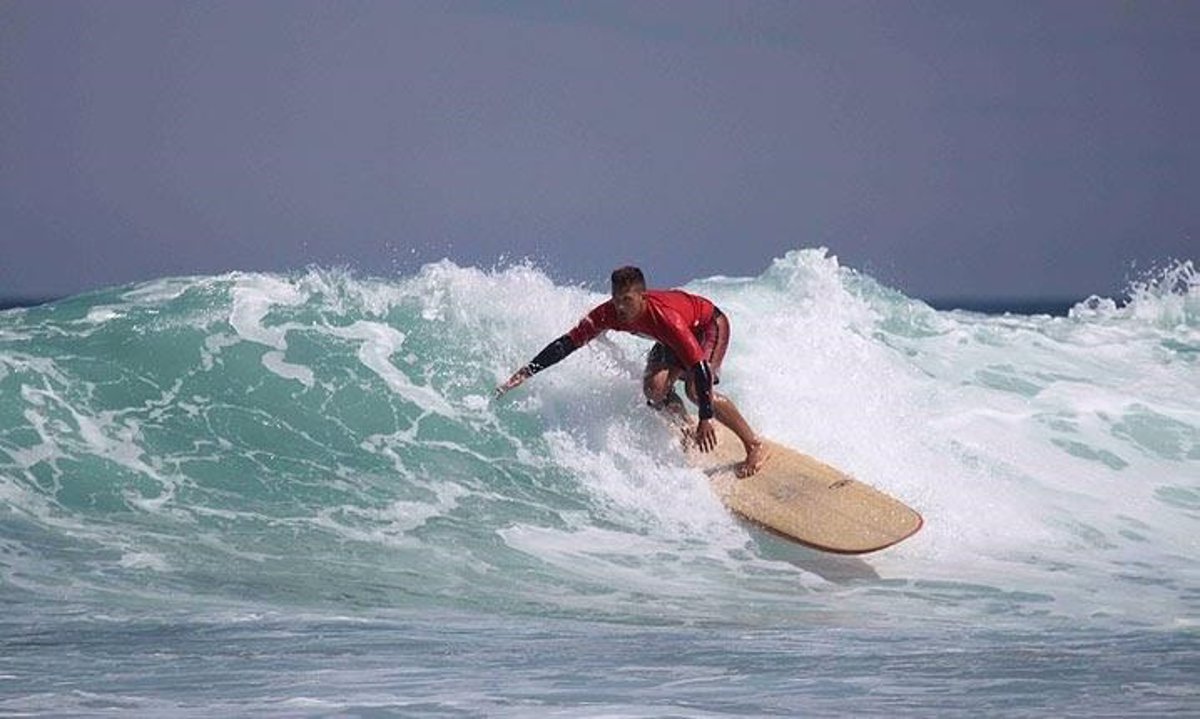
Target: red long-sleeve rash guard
670, 317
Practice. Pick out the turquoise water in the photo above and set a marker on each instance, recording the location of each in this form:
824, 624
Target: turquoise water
258, 494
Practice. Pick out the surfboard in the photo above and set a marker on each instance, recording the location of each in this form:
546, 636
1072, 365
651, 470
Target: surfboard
806, 500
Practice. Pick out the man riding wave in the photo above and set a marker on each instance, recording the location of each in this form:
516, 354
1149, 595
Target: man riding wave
691, 335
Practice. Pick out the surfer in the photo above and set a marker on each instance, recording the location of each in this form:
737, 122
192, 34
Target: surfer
691, 335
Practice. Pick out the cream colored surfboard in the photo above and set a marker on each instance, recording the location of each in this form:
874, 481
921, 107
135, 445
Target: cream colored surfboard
806, 500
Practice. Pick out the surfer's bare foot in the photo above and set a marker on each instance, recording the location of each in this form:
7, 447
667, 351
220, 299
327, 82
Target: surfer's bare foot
756, 454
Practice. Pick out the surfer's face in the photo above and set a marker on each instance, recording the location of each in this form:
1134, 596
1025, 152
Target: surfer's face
629, 303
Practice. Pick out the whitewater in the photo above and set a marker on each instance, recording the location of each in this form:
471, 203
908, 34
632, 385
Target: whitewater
293, 494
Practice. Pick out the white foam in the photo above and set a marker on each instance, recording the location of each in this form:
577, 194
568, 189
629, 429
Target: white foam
144, 560
389, 525
100, 434
160, 290
103, 313
379, 342
253, 296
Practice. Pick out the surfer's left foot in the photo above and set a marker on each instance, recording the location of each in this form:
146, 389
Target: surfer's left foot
756, 454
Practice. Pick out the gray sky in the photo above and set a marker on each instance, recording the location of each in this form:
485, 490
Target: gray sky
984, 149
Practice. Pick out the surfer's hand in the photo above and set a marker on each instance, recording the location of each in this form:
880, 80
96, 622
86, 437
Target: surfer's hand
706, 436
515, 381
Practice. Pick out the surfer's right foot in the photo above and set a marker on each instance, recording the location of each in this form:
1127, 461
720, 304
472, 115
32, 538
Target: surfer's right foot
756, 454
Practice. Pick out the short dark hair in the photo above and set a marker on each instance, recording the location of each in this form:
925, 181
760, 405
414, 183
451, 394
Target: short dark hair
625, 277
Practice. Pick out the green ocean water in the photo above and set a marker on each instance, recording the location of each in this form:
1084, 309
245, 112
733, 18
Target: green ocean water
294, 495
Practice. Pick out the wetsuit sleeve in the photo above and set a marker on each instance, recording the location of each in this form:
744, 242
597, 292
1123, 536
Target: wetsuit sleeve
703, 382
596, 321
554, 352
591, 325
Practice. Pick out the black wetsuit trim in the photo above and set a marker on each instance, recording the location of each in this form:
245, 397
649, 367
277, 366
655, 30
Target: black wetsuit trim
554, 352
702, 380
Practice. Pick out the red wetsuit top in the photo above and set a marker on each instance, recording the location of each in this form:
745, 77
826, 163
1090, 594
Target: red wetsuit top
671, 317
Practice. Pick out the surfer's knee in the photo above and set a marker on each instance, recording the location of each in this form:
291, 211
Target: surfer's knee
668, 400
656, 389
691, 394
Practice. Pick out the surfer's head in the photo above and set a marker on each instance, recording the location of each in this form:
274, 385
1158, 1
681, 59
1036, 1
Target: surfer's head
628, 288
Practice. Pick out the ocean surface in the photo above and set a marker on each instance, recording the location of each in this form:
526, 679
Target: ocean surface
292, 495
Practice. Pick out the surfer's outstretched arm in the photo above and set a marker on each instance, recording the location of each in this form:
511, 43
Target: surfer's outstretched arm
553, 353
